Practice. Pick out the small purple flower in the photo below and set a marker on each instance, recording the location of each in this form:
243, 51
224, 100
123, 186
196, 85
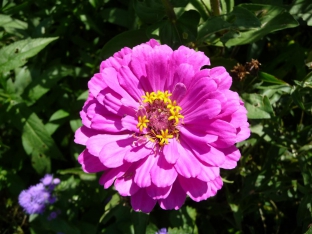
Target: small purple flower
52, 215
162, 231
47, 179
33, 200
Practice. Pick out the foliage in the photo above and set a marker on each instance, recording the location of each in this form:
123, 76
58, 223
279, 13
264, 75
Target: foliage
50, 49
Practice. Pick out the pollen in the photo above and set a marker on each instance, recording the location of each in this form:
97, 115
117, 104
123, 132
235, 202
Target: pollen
164, 137
142, 122
161, 119
175, 114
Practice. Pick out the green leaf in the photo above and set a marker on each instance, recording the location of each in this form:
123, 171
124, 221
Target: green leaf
59, 117
258, 106
303, 9
272, 18
270, 79
149, 11
117, 16
239, 19
35, 139
140, 221
7, 22
128, 38
44, 81
16, 54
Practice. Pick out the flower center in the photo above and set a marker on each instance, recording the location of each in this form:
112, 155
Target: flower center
161, 117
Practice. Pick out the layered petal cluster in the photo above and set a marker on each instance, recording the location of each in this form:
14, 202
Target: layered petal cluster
160, 126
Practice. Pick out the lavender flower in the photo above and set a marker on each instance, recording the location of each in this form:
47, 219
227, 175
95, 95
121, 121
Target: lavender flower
162, 231
35, 198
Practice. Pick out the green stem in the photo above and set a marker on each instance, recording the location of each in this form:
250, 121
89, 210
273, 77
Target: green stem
169, 11
215, 6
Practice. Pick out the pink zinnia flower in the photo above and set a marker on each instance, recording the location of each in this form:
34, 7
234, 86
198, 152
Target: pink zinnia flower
160, 127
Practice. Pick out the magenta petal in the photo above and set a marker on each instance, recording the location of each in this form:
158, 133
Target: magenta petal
113, 153
156, 192
140, 201
163, 174
213, 157
175, 199
171, 152
90, 163
184, 74
142, 176
83, 134
208, 173
108, 177
130, 83
179, 92
139, 152
187, 164
126, 186
232, 155
197, 190
222, 78
207, 110
224, 130
186, 55
96, 84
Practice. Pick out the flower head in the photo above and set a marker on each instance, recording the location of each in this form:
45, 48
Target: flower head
36, 197
160, 127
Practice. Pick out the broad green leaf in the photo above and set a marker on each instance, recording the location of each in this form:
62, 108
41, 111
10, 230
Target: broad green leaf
59, 117
239, 19
128, 38
17, 53
149, 11
43, 81
140, 221
272, 18
35, 139
227, 6
270, 79
7, 22
258, 106
117, 16
303, 9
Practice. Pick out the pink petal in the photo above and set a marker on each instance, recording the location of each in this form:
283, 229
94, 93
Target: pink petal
208, 173
156, 192
108, 177
197, 190
152, 43
83, 134
90, 163
222, 78
207, 110
95, 143
175, 199
116, 60
113, 153
225, 131
158, 67
213, 157
139, 152
184, 73
140, 201
179, 91
196, 134
96, 84
171, 152
186, 55
142, 176
163, 174
125, 186
187, 164
130, 83
232, 155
